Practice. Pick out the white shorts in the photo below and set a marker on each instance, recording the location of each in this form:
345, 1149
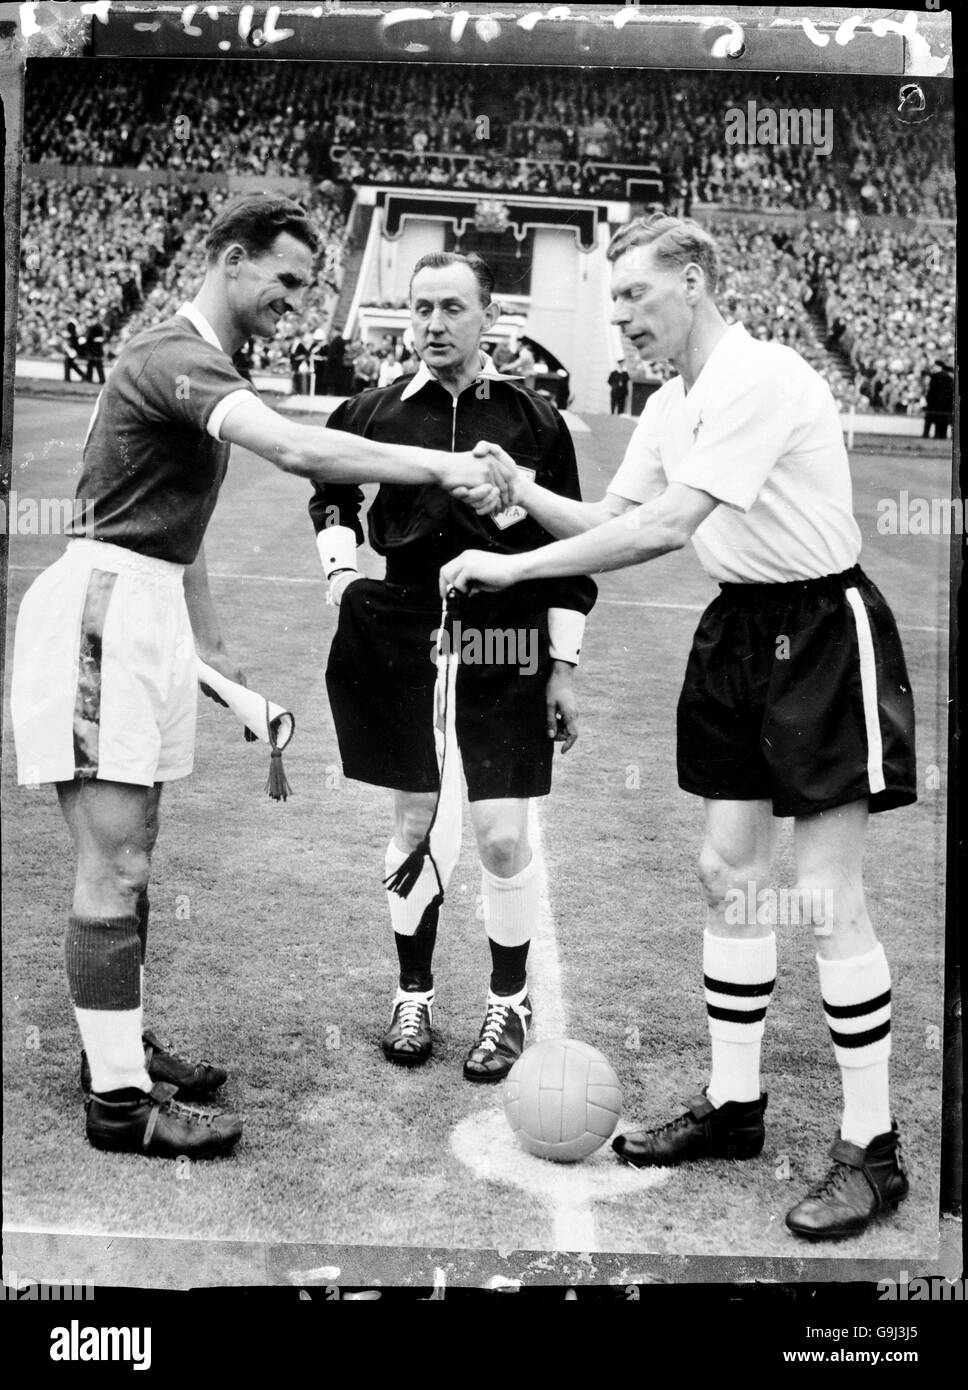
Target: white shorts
104, 682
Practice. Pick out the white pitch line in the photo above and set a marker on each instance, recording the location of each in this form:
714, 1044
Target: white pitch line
572, 1217
319, 582
544, 963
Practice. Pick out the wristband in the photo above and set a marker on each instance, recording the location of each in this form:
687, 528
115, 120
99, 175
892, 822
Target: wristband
337, 549
566, 629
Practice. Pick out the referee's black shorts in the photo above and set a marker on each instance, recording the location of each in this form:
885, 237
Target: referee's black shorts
381, 675
798, 694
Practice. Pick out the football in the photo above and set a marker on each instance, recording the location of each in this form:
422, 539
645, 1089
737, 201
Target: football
562, 1099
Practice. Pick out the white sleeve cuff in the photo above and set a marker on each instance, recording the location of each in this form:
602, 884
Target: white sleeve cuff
337, 548
221, 408
566, 628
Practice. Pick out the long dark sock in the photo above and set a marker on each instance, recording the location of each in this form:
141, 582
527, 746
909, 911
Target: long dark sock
509, 966
415, 953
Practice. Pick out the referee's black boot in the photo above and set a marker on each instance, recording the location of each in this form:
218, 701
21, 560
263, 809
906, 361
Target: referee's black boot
192, 1080
153, 1123
408, 1041
861, 1185
500, 1043
733, 1130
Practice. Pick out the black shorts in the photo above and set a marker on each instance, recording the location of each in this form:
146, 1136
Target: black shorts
381, 677
798, 694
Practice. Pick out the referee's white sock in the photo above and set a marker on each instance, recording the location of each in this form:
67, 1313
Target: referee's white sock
415, 919
738, 976
405, 913
510, 909
857, 1005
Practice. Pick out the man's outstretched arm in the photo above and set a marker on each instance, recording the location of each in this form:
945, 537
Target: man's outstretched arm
560, 516
655, 528
334, 456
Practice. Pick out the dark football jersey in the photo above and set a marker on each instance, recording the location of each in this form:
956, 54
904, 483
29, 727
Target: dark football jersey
152, 469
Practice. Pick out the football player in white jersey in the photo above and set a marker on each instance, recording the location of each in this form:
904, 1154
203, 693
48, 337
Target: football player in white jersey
743, 453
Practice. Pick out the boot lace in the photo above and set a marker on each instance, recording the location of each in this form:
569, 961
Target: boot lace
193, 1114
833, 1184
495, 1021
411, 1015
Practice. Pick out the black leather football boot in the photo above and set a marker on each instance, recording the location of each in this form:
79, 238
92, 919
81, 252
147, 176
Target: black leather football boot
159, 1126
734, 1130
192, 1080
861, 1185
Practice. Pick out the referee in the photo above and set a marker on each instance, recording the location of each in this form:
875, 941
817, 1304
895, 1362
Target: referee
104, 671
514, 687
796, 700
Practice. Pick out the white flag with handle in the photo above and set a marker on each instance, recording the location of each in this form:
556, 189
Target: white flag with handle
262, 720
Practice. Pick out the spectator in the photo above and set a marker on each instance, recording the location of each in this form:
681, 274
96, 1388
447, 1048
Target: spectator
523, 365
366, 369
320, 363
336, 356
618, 384
390, 369
300, 352
94, 351
72, 351
939, 401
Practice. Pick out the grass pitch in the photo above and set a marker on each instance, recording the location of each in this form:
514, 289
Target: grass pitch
270, 950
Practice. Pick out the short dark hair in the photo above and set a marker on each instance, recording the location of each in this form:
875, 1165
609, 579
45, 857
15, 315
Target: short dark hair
483, 274
677, 241
255, 220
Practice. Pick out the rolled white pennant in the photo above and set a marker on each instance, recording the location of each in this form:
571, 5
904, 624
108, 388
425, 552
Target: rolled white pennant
442, 841
270, 723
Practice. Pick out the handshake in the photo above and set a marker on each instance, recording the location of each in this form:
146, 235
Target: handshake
486, 479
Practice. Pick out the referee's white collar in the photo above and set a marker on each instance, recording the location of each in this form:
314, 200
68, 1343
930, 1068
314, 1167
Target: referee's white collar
423, 375
200, 323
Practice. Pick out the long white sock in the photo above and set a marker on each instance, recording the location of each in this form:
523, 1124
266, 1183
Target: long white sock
511, 904
738, 977
405, 913
857, 1005
115, 1051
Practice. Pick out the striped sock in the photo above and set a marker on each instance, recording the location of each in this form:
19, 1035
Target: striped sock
857, 1005
738, 975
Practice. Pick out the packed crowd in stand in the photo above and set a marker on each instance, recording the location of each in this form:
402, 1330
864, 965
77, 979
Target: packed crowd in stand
121, 255
87, 250
889, 302
177, 280
492, 174
548, 131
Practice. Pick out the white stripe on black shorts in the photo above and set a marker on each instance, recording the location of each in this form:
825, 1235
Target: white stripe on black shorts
798, 694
